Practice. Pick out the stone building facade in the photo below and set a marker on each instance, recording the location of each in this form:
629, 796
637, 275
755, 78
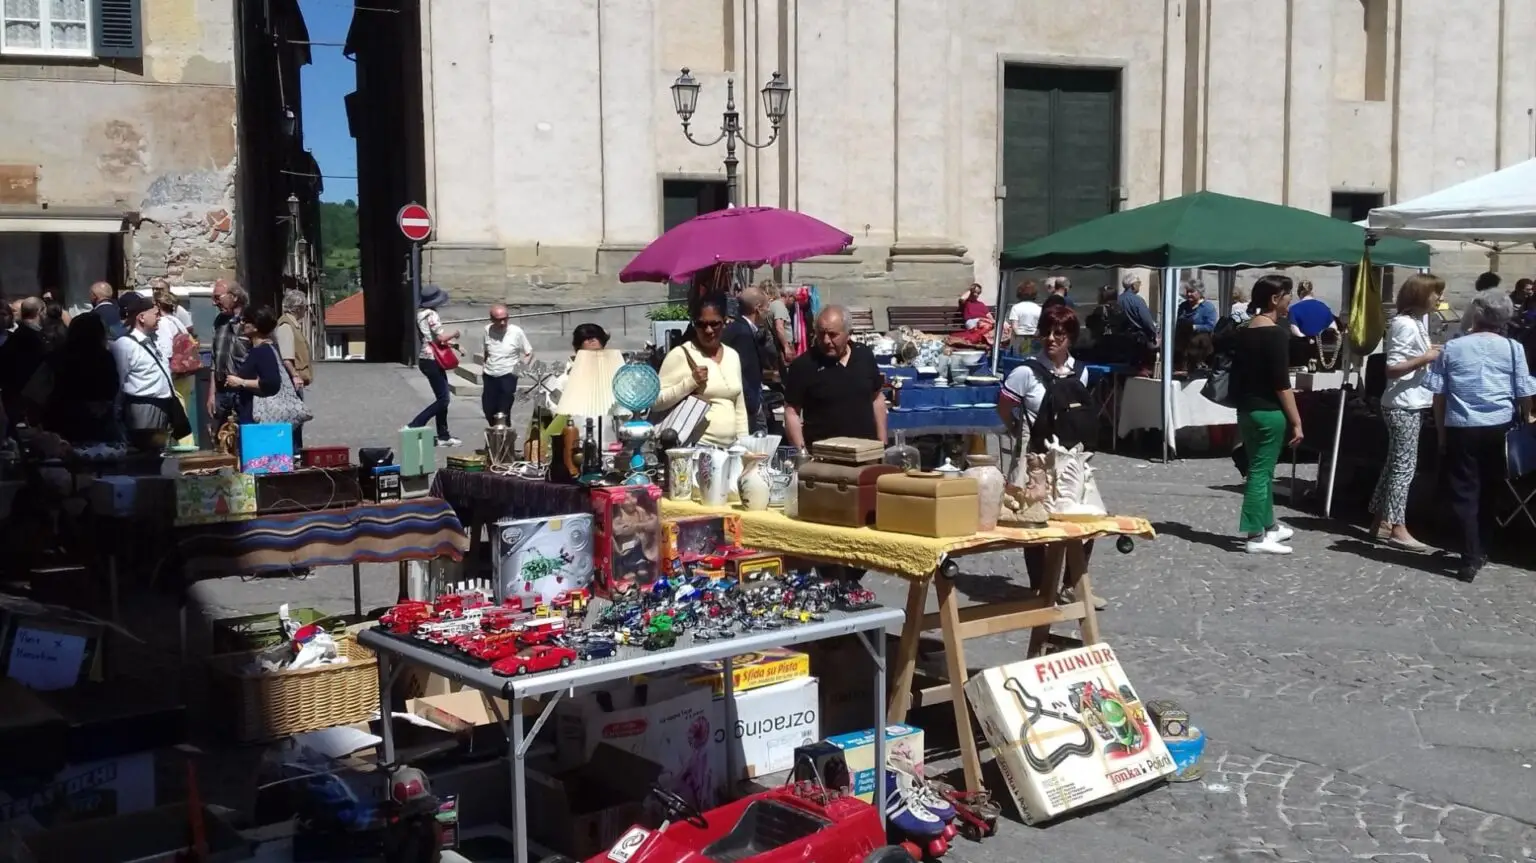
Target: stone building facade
937, 132
118, 151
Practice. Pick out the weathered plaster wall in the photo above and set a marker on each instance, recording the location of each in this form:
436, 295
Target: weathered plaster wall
154, 136
894, 123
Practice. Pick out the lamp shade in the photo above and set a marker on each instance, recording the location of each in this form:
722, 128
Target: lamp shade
685, 95
588, 390
776, 99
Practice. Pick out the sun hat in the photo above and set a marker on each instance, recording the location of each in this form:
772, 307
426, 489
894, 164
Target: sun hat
433, 297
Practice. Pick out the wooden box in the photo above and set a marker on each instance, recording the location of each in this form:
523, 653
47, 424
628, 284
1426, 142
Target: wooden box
325, 456
206, 461
927, 504
307, 489
839, 494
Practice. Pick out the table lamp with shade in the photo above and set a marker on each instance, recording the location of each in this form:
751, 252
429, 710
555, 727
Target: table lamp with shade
588, 394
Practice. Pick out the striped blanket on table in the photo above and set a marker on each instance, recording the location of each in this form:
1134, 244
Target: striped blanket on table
421, 529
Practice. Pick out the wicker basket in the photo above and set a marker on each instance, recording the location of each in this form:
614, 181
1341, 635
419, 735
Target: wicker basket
258, 707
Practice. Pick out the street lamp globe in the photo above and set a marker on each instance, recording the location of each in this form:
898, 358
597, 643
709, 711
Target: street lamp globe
685, 95
775, 98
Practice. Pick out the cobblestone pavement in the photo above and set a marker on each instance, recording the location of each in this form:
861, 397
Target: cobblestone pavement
1360, 704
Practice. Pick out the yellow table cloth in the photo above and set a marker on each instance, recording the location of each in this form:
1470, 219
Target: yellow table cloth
899, 553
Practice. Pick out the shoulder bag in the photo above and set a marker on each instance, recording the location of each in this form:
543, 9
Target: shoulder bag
285, 406
444, 355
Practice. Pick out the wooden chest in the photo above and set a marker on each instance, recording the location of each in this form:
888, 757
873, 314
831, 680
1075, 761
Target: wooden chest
839, 494
307, 489
927, 504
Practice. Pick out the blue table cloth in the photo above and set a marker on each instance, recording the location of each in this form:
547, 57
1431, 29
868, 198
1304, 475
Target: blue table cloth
927, 409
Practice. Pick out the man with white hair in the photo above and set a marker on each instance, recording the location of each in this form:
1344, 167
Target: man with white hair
834, 389
1137, 313
230, 345
507, 351
1059, 289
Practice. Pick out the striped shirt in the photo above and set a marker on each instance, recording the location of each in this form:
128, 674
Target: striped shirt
1480, 376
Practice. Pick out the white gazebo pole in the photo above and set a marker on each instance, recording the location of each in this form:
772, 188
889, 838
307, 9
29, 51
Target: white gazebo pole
997, 319
1170, 312
1346, 358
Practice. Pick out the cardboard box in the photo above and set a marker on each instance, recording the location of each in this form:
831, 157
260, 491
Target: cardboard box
903, 747
546, 557
771, 723
847, 683
1068, 730
581, 812
78, 792
468, 714
666, 721
752, 670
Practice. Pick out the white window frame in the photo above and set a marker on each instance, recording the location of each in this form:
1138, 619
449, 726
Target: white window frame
45, 34
336, 346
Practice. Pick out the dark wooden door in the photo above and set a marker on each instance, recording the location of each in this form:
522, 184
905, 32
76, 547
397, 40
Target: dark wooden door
1061, 157
682, 200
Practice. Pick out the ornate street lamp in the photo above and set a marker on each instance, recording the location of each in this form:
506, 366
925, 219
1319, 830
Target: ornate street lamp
685, 98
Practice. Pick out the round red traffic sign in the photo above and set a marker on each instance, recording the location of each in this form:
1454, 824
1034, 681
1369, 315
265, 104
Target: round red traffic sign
415, 222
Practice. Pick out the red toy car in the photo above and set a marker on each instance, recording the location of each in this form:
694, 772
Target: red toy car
541, 631
790, 824
544, 657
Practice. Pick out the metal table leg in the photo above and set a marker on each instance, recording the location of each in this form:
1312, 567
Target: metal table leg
874, 644
357, 589
386, 697
519, 783
728, 688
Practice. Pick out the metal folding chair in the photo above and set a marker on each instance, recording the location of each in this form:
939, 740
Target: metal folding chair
1520, 464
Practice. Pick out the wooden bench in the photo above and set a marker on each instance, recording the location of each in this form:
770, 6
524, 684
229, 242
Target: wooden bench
938, 320
861, 319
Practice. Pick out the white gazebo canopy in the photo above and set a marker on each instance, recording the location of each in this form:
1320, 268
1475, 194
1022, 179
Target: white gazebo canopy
1493, 210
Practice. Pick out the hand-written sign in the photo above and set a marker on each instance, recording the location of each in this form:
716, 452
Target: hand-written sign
45, 660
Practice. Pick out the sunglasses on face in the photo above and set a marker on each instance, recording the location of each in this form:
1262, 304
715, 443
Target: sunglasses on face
708, 325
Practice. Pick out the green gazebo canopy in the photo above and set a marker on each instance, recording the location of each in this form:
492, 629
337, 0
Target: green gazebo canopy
1208, 229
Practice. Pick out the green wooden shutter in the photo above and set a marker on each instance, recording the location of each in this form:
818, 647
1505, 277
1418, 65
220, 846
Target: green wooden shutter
1026, 158
117, 28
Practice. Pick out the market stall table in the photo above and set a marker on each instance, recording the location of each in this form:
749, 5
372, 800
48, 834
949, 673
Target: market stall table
393, 532
395, 652
924, 560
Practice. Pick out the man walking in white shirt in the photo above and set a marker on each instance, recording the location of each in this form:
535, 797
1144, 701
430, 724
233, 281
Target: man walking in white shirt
506, 351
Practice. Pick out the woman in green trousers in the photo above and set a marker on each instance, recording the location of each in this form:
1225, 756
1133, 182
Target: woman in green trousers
1266, 411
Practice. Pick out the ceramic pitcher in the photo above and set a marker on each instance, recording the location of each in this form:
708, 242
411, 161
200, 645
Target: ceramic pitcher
680, 473
753, 488
711, 483
733, 468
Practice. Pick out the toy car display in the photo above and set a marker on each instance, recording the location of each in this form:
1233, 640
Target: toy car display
790, 824
543, 657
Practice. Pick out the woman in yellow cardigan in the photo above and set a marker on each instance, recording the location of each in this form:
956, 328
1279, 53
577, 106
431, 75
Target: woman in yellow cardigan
706, 368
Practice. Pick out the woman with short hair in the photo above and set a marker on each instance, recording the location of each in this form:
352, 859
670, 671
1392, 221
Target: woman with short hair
1403, 404
1482, 386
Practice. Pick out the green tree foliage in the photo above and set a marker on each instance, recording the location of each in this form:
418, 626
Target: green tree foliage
338, 241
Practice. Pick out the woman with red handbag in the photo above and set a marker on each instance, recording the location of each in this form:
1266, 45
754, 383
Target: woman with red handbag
436, 360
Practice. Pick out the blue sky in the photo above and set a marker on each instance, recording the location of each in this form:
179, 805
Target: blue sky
325, 83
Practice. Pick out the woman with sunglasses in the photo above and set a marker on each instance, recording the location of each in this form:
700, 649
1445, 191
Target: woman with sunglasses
704, 367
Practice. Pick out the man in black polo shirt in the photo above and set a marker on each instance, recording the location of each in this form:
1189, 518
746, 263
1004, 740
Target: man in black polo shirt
833, 390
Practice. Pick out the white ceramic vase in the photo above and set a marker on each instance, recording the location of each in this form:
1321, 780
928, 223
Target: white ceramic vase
712, 480
680, 473
753, 488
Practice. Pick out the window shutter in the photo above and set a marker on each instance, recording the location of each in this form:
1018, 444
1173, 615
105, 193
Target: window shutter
117, 28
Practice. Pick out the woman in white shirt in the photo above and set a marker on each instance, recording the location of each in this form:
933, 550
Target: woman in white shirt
1024, 317
1403, 404
429, 326
166, 331
706, 368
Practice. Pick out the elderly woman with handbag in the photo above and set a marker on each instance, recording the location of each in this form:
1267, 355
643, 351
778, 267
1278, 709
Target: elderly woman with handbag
1482, 386
264, 392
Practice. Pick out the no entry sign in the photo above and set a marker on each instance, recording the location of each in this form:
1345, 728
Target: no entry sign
415, 222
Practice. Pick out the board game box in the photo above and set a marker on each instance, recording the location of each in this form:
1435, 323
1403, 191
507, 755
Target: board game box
543, 556
1067, 730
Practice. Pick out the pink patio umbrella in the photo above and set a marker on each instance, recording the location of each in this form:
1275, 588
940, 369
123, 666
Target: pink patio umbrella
741, 235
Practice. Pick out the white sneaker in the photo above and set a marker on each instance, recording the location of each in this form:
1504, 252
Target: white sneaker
1280, 533
449, 442
1266, 545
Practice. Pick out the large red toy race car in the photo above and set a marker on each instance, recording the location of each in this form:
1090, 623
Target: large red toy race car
543, 657
792, 824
